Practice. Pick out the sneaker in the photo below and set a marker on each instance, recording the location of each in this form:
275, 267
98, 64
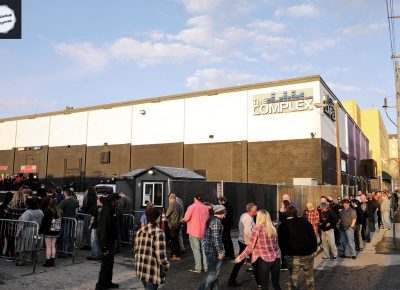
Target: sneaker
342, 256
205, 270
284, 268
334, 258
325, 258
10, 259
194, 270
233, 283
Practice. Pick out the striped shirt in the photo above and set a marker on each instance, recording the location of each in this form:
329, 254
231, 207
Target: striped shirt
260, 246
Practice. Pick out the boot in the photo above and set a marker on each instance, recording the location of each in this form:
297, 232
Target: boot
48, 263
52, 262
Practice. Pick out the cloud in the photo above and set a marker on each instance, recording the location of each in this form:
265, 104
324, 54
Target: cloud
267, 25
304, 10
218, 6
201, 6
212, 78
345, 88
297, 68
90, 57
17, 103
146, 53
319, 44
363, 29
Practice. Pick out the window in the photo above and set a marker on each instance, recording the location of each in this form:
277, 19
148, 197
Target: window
293, 94
272, 96
153, 191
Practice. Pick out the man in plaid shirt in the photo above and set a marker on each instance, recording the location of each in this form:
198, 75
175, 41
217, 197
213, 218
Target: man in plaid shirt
214, 248
151, 261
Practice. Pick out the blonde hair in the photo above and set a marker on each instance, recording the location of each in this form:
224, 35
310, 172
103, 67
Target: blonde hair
18, 198
264, 219
310, 206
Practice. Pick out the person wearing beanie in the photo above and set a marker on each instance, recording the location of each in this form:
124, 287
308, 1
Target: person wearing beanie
107, 234
214, 248
151, 262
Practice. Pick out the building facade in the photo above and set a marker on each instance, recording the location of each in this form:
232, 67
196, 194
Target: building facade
262, 133
371, 123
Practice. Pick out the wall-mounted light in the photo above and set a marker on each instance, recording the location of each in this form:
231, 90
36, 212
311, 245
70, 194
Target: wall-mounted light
151, 172
313, 134
105, 144
68, 146
37, 148
142, 112
211, 136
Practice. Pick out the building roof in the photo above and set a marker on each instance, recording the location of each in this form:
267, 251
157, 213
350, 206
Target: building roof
133, 173
173, 97
178, 173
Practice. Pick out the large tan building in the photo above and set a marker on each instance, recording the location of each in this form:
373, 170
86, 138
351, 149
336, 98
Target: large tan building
394, 160
371, 123
262, 133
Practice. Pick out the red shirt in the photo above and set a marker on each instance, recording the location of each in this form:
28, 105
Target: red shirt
260, 246
313, 217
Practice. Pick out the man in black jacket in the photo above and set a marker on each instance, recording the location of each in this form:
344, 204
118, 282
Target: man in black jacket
107, 234
298, 243
328, 220
227, 222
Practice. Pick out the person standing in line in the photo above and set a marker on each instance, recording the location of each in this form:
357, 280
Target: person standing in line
196, 218
264, 249
180, 235
143, 219
347, 223
214, 248
50, 229
174, 216
227, 222
385, 211
312, 215
359, 244
151, 262
107, 235
328, 221
298, 243
246, 223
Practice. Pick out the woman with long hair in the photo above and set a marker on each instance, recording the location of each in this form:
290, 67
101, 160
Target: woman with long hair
263, 247
14, 210
50, 228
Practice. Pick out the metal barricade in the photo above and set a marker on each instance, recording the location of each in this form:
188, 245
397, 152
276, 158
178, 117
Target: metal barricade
83, 229
126, 229
20, 241
66, 243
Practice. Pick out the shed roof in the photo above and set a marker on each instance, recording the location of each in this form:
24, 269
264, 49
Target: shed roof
133, 173
178, 173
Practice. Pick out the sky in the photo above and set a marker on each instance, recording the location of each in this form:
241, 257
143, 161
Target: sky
85, 53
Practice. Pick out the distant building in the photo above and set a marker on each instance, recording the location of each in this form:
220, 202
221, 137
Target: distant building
267, 133
371, 123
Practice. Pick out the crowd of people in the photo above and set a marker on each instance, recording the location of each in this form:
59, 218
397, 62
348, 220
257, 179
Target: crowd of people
340, 228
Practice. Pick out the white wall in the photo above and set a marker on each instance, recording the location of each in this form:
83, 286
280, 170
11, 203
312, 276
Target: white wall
162, 122
33, 132
69, 129
7, 135
284, 126
343, 131
111, 126
224, 116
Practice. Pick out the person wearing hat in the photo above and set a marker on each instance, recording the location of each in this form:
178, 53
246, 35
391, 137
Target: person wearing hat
214, 248
151, 262
327, 222
107, 235
347, 223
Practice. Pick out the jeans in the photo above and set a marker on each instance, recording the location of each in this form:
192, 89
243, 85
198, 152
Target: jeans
358, 238
149, 286
347, 241
328, 243
95, 244
264, 268
200, 259
214, 267
386, 219
175, 251
236, 268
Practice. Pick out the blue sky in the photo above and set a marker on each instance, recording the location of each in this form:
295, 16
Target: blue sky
83, 53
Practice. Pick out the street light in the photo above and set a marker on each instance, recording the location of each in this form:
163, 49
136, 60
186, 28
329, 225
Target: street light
338, 154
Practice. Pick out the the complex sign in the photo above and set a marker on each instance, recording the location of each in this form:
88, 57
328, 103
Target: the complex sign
329, 108
28, 169
283, 102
